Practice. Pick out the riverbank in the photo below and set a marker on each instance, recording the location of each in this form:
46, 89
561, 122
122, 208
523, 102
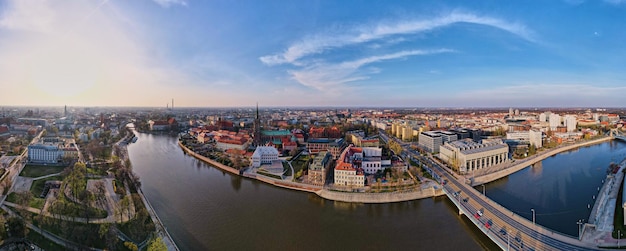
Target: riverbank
599, 228
160, 228
479, 180
427, 191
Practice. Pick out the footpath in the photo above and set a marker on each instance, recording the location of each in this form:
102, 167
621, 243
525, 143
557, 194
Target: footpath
600, 227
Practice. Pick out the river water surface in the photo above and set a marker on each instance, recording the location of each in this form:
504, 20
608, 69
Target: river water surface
207, 209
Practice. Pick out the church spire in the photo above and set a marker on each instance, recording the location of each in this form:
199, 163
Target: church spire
257, 128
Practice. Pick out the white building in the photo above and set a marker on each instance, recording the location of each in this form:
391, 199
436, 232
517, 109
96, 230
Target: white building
264, 155
467, 155
542, 117
432, 140
347, 171
555, 121
570, 122
50, 151
533, 137
372, 159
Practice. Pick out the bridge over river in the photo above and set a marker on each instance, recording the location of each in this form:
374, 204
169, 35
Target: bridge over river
508, 230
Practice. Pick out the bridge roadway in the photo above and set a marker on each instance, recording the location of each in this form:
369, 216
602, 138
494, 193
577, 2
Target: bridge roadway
508, 231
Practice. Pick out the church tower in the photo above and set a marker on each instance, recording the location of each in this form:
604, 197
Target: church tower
257, 128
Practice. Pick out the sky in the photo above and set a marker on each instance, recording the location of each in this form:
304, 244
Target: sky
313, 53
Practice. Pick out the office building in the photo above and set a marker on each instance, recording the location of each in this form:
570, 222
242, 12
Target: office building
467, 155
432, 140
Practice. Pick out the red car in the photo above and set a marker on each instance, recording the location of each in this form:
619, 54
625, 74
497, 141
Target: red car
488, 224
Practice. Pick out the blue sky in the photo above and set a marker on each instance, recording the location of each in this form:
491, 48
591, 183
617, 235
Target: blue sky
313, 53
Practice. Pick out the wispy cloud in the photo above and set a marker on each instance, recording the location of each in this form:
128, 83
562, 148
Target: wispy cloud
545, 94
319, 43
329, 77
168, 3
615, 2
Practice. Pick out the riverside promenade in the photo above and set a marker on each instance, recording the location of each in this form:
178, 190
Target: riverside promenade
490, 174
599, 228
427, 190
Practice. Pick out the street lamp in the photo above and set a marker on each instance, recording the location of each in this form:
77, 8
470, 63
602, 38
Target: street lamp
483, 188
618, 237
533, 210
579, 224
508, 242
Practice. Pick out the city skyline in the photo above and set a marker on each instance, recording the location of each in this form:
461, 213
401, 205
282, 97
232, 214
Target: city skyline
391, 54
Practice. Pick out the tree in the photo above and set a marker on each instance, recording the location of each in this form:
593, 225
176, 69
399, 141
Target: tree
108, 233
17, 227
157, 244
532, 149
23, 199
125, 206
2, 228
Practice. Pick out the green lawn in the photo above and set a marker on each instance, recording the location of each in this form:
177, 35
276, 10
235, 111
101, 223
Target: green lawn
12, 197
618, 220
270, 175
38, 171
286, 168
36, 202
300, 163
37, 187
96, 171
42, 242
86, 234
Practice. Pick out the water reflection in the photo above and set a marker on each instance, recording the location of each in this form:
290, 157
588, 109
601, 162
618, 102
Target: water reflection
235, 182
346, 206
316, 200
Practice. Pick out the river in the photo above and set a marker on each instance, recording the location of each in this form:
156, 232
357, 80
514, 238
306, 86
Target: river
561, 189
207, 209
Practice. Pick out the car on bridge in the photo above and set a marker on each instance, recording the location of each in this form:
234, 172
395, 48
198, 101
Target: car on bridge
478, 214
502, 231
488, 224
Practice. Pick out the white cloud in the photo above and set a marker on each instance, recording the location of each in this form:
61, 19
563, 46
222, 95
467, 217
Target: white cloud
168, 3
330, 77
336, 39
28, 15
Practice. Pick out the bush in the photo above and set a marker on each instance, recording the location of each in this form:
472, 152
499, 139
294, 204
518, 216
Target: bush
131, 246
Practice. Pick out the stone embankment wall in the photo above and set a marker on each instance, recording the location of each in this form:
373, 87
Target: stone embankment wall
524, 163
377, 197
209, 161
